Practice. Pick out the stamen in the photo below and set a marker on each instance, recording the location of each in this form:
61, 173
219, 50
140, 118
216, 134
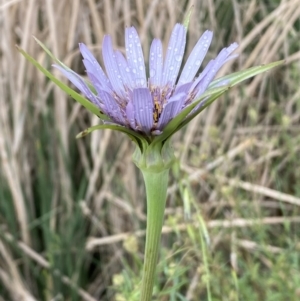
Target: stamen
157, 109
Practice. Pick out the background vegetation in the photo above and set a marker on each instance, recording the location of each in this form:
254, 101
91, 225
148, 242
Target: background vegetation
72, 212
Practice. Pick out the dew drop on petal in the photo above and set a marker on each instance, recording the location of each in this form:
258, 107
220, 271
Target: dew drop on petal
127, 69
134, 70
197, 63
130, 36
178, 58
171, 67
139, 82
152, 72
141, 68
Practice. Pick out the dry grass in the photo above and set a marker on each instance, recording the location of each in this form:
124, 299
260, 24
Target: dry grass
244, 147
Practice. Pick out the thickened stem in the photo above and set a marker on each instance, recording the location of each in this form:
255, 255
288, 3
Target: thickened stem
156, 190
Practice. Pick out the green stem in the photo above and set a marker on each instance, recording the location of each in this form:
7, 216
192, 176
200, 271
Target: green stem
156, 190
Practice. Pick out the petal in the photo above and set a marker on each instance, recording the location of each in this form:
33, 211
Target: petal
143, 108
185, 88
156, 62
172, 108
130, 114
112, 108
212, 68
135, 57
203, 74
174, 55
196, 58
97, 83
94, 76
124, 70
234, 56
92, 66
111, 66
79, 83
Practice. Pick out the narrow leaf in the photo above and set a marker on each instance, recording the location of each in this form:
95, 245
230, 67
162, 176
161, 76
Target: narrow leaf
186, 20
83, 101
175, 122
233, 79
60, 63
206, 103
237, 77
56, 60
134, 136
213, 93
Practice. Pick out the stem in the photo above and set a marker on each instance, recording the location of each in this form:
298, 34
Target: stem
156, 190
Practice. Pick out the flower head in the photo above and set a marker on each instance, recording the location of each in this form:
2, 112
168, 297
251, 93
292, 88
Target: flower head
147, 104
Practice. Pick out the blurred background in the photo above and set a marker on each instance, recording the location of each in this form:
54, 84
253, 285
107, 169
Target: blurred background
72, 212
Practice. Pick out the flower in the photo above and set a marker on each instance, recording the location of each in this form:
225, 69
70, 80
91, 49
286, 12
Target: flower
147, 105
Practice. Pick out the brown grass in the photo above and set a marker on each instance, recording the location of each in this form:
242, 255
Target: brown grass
236, 138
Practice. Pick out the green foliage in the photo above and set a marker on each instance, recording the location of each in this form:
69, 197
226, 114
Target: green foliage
77, 193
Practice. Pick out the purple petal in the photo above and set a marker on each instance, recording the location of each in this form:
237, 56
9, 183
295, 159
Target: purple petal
174, 55
143, 108
97, 83
112, 108
92, 66
172, 108
234, 56
212, 68
130, 115
111, 66
79, 83
196, 58
124, 70
156, 62
135, 57
185, 88
203, 74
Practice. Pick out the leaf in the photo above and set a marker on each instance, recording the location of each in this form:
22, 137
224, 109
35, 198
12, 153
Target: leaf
83, 101
237, 77
213, 92
56, 60
172, 126
206, 103
187, 17
140, 140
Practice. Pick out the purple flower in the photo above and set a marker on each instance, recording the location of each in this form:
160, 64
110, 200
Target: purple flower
147, 105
